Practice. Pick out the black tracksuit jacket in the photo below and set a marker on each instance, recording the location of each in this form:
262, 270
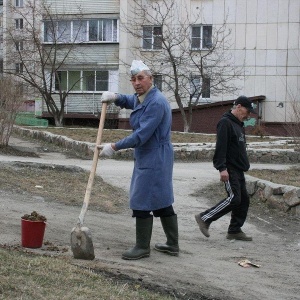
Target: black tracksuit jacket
230, 149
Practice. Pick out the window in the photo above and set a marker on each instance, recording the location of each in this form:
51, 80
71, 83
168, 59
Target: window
108, 30
201, 37
152, 37
19, 68
19, 45
57, 31
74, 80
157, 79
104, 30
102, 80
49, 31
78, 31
63, 32
89, 81
19, 3
61, 81
198, 88
206, 88
19, 23
93, 30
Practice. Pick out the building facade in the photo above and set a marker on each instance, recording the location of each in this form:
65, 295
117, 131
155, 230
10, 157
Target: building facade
262, 44
1, 36
79, 39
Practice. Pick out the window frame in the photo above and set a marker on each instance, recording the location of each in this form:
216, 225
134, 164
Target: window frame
81, 85
158, 81
19, 45
19, 3
83, 31
19, 68
205, 43
205, 93
155, 39
19, 23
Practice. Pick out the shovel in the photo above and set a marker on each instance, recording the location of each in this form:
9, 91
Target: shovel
81, 239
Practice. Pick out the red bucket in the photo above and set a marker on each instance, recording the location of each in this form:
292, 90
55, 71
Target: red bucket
32, 233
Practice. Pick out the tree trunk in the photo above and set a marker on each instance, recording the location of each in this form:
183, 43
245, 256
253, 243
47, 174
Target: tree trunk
58, 121
186, 126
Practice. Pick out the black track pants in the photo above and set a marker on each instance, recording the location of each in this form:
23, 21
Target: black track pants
237, 202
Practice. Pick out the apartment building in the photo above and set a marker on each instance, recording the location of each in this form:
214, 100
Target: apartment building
1, 36
80, 39
262, 42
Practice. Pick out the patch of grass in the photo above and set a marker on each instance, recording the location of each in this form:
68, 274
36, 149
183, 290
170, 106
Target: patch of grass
290, 176
25, 276
8, 150
62, 184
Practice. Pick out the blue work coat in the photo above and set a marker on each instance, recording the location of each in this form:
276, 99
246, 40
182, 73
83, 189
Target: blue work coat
151, 183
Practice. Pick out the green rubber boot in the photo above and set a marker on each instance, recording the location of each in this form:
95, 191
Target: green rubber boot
170, 227
143, 237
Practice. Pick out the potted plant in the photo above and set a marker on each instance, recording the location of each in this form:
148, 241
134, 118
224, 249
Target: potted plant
33, 230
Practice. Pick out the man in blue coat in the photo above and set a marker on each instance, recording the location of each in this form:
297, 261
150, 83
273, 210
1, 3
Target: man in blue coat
151, 189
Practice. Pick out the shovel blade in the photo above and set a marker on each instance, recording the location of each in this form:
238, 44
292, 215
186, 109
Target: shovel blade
82, 244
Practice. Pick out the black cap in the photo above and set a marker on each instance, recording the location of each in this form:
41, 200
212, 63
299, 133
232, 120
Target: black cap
244, 101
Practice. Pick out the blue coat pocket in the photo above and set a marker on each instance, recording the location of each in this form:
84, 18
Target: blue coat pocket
146, 158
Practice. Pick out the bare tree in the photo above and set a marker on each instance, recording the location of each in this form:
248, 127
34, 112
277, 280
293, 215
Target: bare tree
37, 49
293, 127
11, 98
193, 61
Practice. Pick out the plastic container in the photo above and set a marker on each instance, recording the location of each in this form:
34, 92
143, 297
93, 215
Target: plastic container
32, 233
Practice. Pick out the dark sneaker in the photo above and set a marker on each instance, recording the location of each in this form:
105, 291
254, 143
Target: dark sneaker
202, 225
241, 236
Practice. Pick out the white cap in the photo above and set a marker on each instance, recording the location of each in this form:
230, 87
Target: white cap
137, 66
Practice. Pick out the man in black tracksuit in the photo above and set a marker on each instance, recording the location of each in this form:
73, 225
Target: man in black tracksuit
231, 160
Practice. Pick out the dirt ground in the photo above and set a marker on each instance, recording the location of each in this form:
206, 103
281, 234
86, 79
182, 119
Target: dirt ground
207, 268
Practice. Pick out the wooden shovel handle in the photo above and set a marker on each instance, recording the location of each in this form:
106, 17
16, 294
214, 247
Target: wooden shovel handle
94, 166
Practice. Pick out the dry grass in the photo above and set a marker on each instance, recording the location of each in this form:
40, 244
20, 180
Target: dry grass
290, 176
62, 184
25, 276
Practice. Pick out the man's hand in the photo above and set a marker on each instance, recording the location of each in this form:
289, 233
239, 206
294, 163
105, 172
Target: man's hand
224, 176
108, 97
107, 150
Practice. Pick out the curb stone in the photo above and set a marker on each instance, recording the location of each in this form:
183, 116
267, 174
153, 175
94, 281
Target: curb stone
182, 152
282, 197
